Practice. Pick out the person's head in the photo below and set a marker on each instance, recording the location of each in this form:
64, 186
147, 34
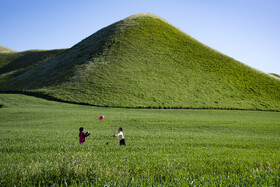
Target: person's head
81, 129
120, 129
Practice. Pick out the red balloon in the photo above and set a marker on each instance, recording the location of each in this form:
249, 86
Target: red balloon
101, 117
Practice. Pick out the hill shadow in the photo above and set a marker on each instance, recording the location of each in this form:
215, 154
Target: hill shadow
27, 60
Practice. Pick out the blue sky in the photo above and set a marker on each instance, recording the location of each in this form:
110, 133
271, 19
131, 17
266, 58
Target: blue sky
246, 30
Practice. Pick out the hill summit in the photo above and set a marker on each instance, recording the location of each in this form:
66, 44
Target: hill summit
143, 61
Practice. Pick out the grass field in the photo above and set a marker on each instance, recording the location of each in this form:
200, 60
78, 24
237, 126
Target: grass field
39, 146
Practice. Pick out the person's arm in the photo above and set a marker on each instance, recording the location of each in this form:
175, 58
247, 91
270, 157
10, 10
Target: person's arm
86, 134
116, 134
119, 135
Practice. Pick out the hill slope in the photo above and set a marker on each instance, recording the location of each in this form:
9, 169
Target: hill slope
4, 49
275, 75
143, 61
14, 63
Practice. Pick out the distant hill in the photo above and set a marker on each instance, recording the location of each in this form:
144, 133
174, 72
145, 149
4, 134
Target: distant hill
143, 61
14, 63
4, 49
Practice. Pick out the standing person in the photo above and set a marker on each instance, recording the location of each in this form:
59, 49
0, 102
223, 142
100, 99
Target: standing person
83, 135
120, 136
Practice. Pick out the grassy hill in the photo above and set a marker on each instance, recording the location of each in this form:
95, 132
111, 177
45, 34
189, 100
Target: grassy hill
14, 63
275, 75
4, 49
143, 61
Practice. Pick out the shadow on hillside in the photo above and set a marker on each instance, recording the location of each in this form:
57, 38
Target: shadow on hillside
27, 60
45, 96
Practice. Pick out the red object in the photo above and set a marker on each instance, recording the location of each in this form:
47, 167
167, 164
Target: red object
101, 117
82, 137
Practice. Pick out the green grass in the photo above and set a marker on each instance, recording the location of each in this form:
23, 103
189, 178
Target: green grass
39, 145
143, 61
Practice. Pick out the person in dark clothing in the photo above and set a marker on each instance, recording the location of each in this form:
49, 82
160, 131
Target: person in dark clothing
82, 135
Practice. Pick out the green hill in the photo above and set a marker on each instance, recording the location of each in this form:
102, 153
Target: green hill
14, 63
275, 75
143, 61
4, 49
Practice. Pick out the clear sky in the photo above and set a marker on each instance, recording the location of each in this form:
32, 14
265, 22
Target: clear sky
246, 30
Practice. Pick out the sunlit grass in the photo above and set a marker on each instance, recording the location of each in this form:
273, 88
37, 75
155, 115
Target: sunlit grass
39, 145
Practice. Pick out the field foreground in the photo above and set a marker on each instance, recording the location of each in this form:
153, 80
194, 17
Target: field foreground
39, 146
